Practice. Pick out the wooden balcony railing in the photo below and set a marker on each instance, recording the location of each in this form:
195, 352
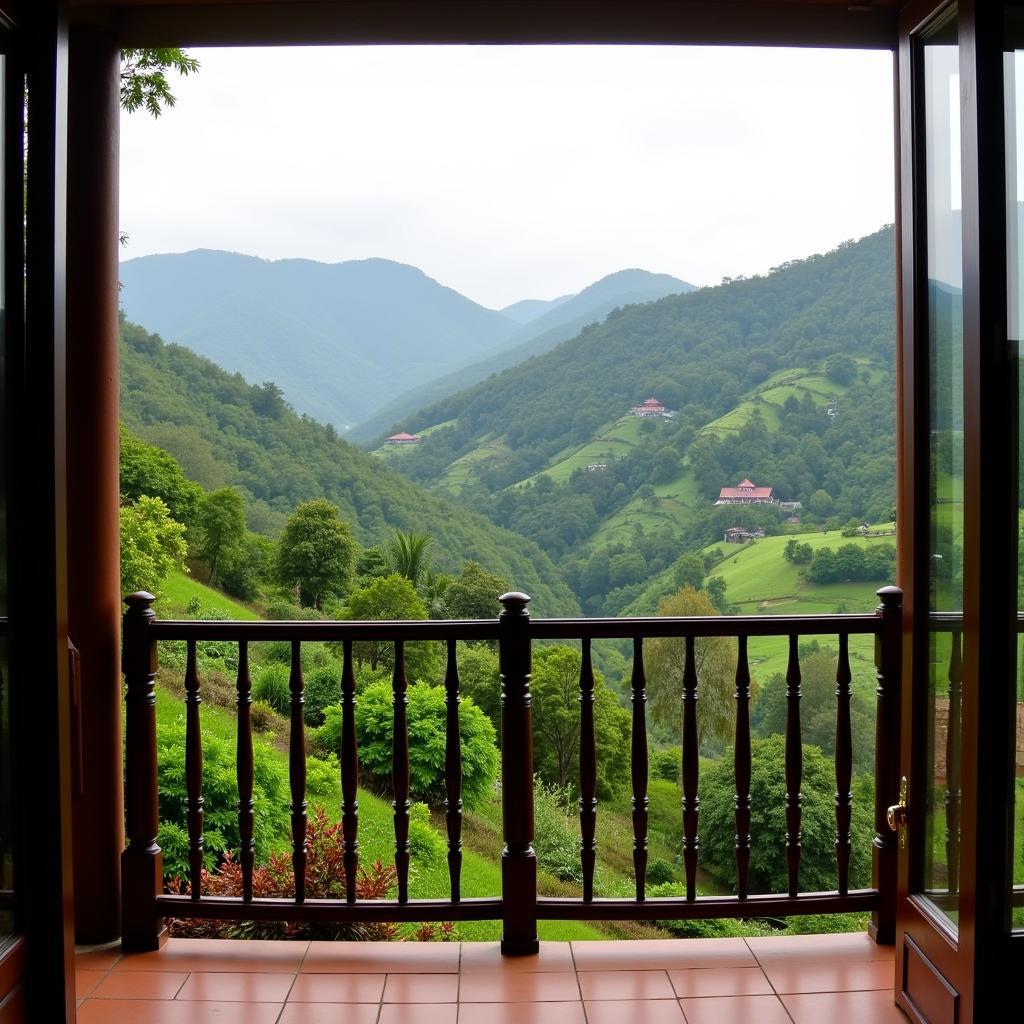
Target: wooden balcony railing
518, 905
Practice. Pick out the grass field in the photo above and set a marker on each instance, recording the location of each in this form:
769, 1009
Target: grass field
613, 441
178, 590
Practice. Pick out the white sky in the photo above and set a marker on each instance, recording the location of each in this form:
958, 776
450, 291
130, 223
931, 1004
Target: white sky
517, 172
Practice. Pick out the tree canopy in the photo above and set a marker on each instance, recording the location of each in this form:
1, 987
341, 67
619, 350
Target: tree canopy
317, 552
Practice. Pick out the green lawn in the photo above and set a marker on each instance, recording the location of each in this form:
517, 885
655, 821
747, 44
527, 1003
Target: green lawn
178, 590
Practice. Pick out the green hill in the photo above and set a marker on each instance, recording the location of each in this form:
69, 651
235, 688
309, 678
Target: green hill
560, 320
340, 339
786, 379
225, 432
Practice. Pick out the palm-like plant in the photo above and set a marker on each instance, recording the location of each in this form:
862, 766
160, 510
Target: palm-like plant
408, 554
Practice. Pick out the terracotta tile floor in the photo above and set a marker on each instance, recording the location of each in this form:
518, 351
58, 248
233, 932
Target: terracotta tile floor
841, 979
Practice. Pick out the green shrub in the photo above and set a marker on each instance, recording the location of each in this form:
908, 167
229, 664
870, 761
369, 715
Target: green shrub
220, 799
660, 871
557, 841
426, 844
313, 653
262, 716
283, 610
768, 821
271, 687
323, 776
323, 688
667, 764
426, 716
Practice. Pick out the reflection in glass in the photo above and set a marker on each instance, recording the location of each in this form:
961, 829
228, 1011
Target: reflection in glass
1013, 65
941, 91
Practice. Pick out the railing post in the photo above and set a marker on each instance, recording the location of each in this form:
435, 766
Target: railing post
142, 862
889, 669
518, 861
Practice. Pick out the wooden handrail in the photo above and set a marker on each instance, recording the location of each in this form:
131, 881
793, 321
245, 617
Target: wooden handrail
519, 906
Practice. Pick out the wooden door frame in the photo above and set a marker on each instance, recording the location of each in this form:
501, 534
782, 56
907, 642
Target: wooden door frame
983, 948
40, 705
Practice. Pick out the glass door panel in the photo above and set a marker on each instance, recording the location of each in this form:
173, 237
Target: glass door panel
943, 300
1013, 79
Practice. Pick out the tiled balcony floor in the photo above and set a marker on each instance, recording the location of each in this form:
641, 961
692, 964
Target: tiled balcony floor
839, 979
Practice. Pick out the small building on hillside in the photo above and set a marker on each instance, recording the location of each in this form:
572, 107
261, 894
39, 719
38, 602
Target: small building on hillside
651, 407
790, 506
746, 493
740, 534
402, 439
596, 467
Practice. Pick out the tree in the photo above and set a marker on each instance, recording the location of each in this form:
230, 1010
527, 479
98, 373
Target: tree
474, 593
144, 80
408, 555
820, 503
840, 368
817, 708
555, 692
221, 525
316, 553
146, 469
715, 659
391, 598
479, 679
768, 821
688, 571
152, 544
245, 568
426, 717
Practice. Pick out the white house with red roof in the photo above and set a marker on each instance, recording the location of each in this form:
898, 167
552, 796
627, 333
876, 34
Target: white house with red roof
651, 407
747, 493
402, 439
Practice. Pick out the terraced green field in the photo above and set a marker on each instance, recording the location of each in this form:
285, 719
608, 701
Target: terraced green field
613, 441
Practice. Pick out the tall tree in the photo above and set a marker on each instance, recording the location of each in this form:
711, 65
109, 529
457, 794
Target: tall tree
221, 525
316, 553
556, 723
474, 593
715, 658
391, 598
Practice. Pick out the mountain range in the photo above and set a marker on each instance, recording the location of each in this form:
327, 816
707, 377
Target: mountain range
344, 340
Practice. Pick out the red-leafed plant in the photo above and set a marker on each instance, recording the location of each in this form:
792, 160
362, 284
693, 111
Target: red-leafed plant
325, 879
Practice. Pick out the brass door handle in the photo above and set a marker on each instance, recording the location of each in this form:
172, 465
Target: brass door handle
897, 816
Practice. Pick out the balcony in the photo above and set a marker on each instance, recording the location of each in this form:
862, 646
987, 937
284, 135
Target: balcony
785, 980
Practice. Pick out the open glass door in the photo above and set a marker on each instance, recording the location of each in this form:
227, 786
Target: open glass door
933, 967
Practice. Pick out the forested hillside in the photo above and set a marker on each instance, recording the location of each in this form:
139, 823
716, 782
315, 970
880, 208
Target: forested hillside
339, 339
750, 369
227, 432
561, 319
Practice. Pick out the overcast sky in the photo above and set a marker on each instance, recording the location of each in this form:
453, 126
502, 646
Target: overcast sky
517, 172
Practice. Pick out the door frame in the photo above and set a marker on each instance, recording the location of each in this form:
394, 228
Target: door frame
940, 975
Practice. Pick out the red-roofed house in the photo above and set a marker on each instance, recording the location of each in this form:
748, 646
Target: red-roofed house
402, 439
747, 493
652, 407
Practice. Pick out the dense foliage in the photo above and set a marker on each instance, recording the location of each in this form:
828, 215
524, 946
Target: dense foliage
768, 873
220, 799
225, 432
555, 693
152, 544
426, 717
704, 355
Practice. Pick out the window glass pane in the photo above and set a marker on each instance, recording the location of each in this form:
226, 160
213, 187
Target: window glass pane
941, 95
1013, 64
